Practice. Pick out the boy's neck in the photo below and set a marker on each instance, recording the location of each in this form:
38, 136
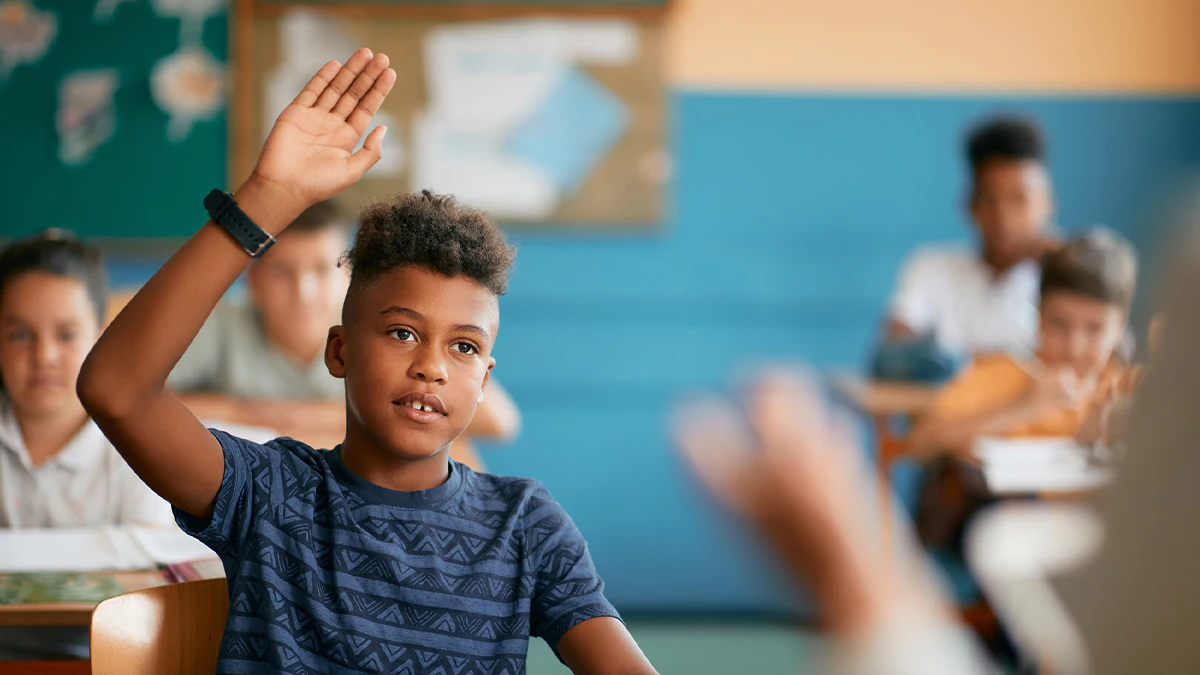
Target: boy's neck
46, 435
386, 470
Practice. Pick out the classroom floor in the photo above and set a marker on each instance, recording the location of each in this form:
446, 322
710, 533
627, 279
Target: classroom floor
694, 648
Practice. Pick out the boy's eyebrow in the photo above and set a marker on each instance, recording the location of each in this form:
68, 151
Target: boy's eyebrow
471, 328
410, 313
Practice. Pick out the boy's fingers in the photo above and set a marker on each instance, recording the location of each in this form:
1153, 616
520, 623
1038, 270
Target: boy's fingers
368, 105
718, 448
366, 156
344, 78
360, 86
317, 84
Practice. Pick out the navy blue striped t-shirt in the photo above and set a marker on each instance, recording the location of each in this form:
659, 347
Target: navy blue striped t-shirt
329, 573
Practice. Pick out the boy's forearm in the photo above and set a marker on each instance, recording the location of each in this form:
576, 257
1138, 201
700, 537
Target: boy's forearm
136, 353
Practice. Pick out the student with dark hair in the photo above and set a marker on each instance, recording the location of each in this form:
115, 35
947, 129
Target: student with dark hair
969, 302
56, 467
382, 554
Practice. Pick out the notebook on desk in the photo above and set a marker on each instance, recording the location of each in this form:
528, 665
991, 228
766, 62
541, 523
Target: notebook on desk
96, 549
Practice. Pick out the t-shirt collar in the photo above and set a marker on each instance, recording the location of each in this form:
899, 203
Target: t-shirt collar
377, 494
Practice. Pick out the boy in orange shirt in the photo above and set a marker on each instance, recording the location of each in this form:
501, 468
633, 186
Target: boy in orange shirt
1086, 291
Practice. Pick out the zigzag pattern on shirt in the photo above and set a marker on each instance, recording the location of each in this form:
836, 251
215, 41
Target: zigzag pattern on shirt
322, 581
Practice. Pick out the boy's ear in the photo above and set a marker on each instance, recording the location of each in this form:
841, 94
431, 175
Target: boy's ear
334, 344
487, 377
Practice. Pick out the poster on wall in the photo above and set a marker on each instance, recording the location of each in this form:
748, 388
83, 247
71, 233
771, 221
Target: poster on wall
86, 117
26, 34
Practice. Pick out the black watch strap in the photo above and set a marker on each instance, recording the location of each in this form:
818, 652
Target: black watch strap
225, 212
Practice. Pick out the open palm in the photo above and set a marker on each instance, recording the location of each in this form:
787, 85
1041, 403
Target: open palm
310, 150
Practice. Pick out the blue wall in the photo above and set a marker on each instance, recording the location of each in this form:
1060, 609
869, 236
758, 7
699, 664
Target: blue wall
791, 215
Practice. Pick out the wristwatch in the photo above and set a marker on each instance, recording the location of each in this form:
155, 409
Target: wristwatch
225, 212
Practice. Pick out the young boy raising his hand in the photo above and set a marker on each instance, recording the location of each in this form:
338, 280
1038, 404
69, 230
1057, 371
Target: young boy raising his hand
380, 555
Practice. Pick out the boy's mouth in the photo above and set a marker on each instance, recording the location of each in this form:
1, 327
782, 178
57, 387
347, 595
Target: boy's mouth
421, 407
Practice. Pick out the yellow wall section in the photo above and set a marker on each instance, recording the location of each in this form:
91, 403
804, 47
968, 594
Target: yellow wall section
1103, 46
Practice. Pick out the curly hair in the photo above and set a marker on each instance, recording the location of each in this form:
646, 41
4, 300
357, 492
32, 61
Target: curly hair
1005, 138
431, 231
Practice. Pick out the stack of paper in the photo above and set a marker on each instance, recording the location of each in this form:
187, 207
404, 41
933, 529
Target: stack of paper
1038, 465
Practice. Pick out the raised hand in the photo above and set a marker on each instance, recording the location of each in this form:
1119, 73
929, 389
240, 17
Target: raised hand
309, 155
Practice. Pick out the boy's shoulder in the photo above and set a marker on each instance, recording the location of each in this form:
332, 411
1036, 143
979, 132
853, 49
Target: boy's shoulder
511, 490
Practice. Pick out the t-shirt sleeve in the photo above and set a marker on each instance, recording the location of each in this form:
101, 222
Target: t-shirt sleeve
197, 369
567, 590
251, 486
913, 299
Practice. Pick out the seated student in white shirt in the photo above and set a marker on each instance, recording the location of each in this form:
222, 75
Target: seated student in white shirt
56, 468
261, 362
975, 301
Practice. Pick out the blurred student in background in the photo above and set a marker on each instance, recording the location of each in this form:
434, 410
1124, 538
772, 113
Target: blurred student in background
965, 302
56, 467
1086, 290
261, 363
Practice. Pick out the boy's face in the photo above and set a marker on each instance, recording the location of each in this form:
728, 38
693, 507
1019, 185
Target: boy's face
1011, 206
299, 289
1079, 332
47, 328
415, 335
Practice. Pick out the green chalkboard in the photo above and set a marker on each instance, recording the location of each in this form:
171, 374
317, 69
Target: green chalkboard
137, 185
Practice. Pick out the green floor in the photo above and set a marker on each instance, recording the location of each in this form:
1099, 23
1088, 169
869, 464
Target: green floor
706, 649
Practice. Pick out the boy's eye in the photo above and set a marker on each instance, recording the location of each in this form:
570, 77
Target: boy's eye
67, 336
15, 335
465, 348
402, 334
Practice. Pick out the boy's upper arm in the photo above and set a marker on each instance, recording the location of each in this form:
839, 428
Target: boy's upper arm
171, 451
602, 646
